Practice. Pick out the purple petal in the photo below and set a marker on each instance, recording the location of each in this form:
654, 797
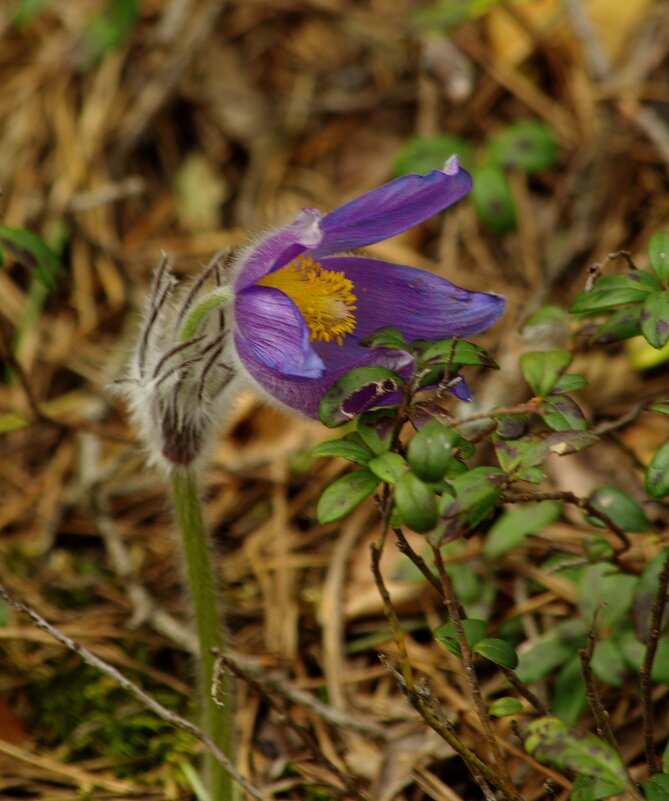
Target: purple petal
304, 394
278, 248
460, 389
392, 208
270, 329
420, 304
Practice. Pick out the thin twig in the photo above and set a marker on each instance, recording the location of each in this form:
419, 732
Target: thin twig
524, 690
250, 671
421, 564
569, 497
656, 614
599, 713
258, 683
146, 700
472, 679
427, 707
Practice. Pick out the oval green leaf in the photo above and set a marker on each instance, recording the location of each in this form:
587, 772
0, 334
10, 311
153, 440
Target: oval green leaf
492, 199
620, 507
541, 369
658, 253
431, 450
473, 628
416, 503
552, 742
345, 448
501, 707
388, 467
497, 651
527, 145
655, 319
344, 494
656, 479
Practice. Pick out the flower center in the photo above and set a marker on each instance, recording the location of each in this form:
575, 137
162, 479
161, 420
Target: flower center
325, 298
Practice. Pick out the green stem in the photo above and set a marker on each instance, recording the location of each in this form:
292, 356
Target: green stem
217, 721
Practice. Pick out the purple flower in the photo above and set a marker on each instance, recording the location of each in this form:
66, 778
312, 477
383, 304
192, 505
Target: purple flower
300, 312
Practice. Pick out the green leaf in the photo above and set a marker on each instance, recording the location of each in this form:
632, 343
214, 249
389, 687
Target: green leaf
660, 671
605, 592
608, 663
512, 426
422, 154
447, 13
457, 353
344, 494
30, 251
497, 651
541, 369
416, 503
516, 523
492, 199
656, 479
562, 413
553, 650
614, 290
548, 323
346, 449
376, 429
25, 11
657, 787
569, 383
388, 337
388, 467
620, 507
660, 406
502, 707
569, 698
108, 29
527, 145
658, 253
622, 324
587, 788
476, 495
655, 319
431, 450
446, 635
552, 742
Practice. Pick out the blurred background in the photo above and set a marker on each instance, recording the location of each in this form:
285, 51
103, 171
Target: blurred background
132, 128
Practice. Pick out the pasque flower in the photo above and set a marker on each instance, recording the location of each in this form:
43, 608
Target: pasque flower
300, 312
292, 318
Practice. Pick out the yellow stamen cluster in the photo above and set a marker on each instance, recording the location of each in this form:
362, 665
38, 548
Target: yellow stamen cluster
325, 298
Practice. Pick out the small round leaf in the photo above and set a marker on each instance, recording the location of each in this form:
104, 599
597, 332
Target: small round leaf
431, 450
497, 651
344, 494
416, 503
657, 473
658, 253
620, 507
501, 707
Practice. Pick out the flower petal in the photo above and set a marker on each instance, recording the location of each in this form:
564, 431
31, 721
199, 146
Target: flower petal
304, 394
270, 330
420, 304
392, 208
278, 248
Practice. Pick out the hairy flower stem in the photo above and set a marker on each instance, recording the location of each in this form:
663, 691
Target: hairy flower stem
217, 722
